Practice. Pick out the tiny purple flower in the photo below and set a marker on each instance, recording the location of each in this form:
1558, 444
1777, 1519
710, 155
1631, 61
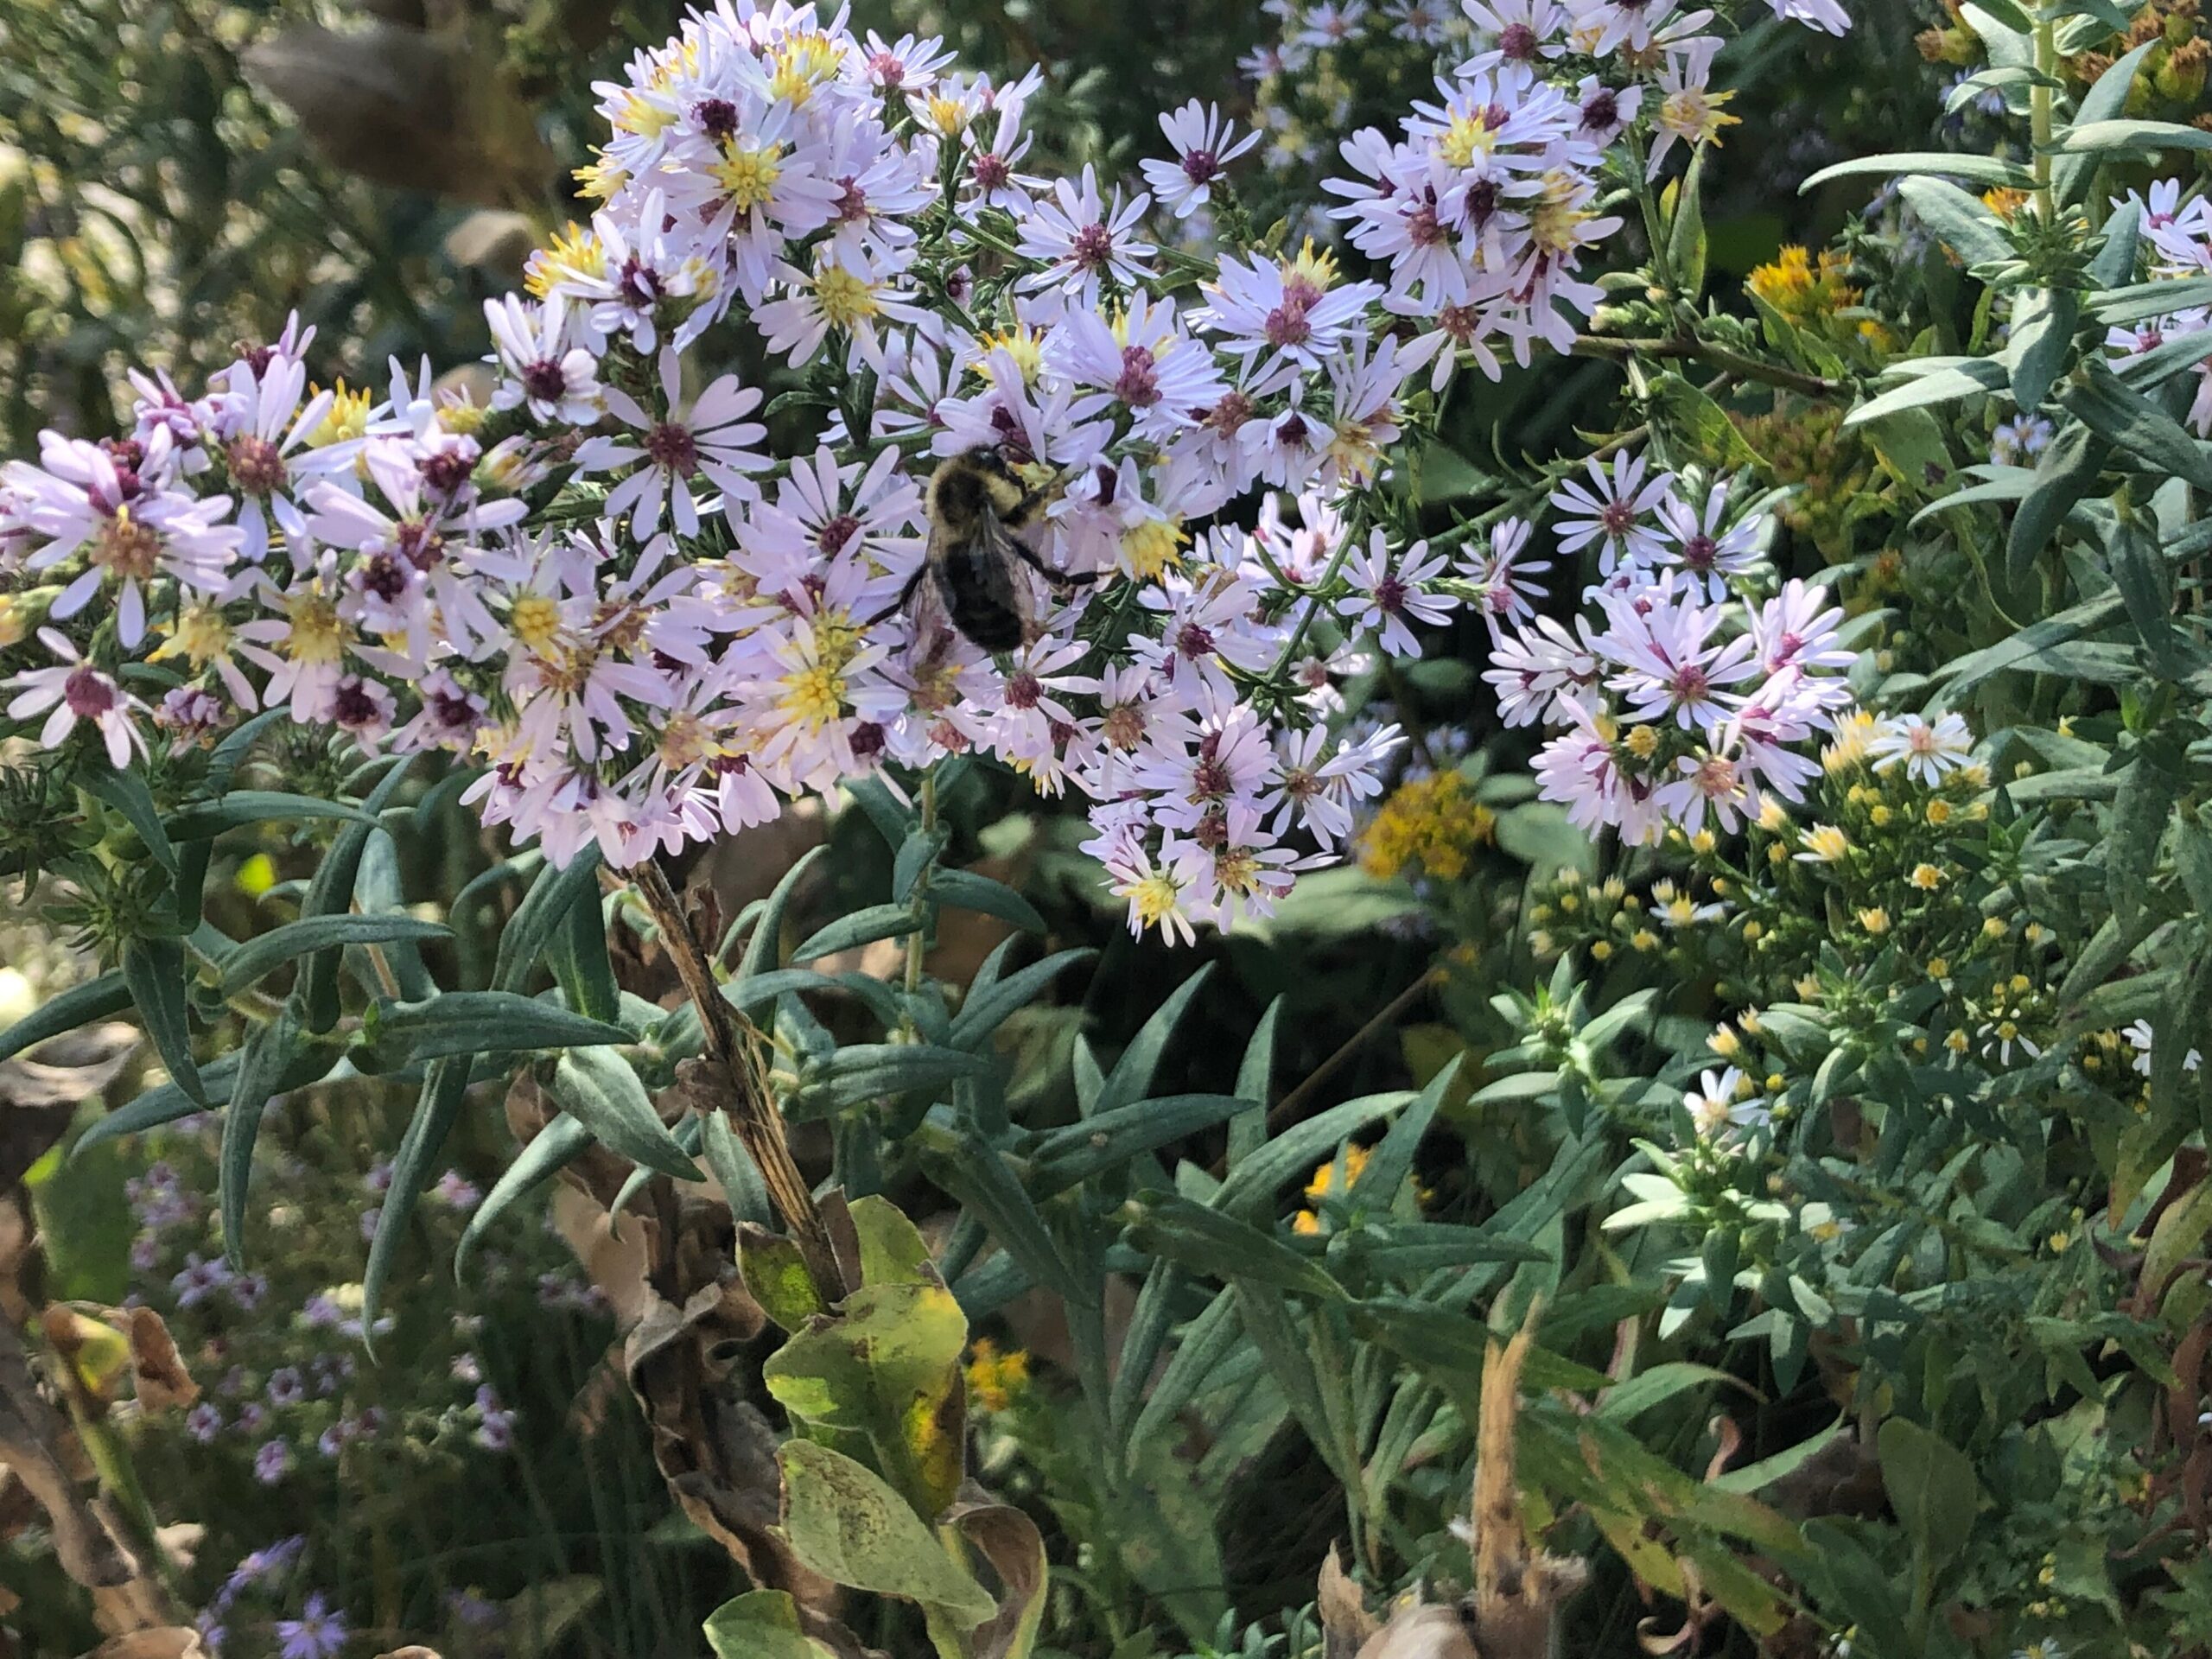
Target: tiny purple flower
272, 1462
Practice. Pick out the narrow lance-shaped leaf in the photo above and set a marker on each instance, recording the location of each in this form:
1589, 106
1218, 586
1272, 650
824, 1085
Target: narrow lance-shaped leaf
267, 1055
552, 1148
331, 893
599, 1090
262, 954
96, 999
444, 1089
1255, 1084
154, 971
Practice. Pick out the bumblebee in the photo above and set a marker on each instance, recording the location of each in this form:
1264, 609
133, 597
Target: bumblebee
976, 505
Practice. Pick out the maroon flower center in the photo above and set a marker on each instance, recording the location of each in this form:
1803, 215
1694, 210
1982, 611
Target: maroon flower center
1286, 324
852, 202
1212, 831
1699, 552
990, 170
353, 705
866, 741
1139, 386
1481, 200
1192, 641
1023, 690
256, 467
639, 281
1423, 228
1292, 432
89, 693
673, 449
1690, 683
1618, 518
1516, 43
1391, 595
1603, 113
1201, 166
1094, 247
1458, 322
832, 537
128, 546
888, 71
717, 118
384, 576
420, 543
446, 471
1229, 414
1210, 779
544, 381
452, 711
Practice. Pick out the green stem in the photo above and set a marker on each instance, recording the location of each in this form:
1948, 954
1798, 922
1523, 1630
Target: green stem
2039, 111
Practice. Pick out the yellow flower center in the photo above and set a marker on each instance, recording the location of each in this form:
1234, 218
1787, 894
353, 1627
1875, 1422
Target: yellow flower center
748, 176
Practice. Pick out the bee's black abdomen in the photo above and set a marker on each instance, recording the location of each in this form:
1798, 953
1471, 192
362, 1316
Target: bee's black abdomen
993, 626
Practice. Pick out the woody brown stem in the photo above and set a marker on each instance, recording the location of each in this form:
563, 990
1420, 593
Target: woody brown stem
736, 1044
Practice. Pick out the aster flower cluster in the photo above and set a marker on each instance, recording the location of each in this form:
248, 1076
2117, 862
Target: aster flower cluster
646, 626
2177, 239
1680, 696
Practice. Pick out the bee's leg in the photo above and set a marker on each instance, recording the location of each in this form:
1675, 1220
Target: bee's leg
1058, 580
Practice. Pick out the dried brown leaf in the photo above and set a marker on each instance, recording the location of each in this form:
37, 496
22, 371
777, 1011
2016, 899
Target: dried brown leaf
156, 1368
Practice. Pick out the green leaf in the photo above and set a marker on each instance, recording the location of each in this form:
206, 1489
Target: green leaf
268, 1054
581, 965
860, 1073
1686, 230
1980, 170
1255, 1086
984, 1010
1962, 378
486, 1022
331, 893
762, 1625
861, 927
886, 1369
127, 793
763, 951
443, 1091
966, 890
847, 1524
255, 958
1392, 1158
1069, 1157
1131, 1079
2141, 813
1204, 1241
2065, 471
1960, 221
2129, 138
2070, 174
550, 1149
734, 1171
528, 932
2137, 427
600, 1090
1931, 1486
2040, 341
1659, 1384
973, 1172
1702, 422
96, 999
776, 1276
2139, 570
243, 806
1249, 1191
154, 971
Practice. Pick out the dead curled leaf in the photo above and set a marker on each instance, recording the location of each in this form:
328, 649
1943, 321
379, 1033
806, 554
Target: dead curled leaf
156, 1368
1342, 1607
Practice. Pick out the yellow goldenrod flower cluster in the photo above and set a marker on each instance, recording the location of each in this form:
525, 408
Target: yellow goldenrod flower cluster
1433, 824
997, 1378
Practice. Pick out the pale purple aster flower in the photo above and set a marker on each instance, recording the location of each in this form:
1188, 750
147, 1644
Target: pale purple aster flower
318, 1633
272, 1462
